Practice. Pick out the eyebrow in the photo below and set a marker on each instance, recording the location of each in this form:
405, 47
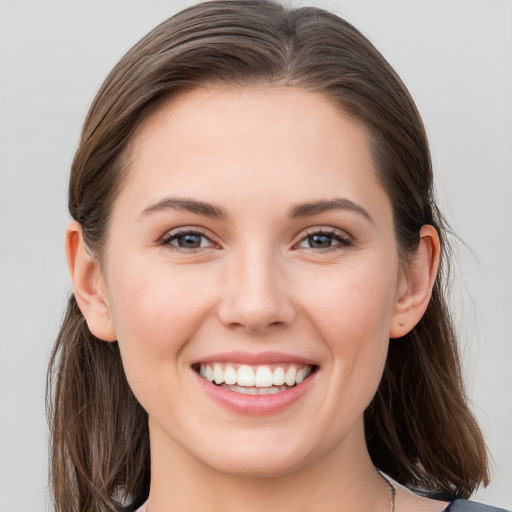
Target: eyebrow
211, 210
189, 205
317, 207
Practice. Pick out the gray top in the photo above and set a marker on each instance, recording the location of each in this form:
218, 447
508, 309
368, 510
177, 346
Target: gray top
471, 506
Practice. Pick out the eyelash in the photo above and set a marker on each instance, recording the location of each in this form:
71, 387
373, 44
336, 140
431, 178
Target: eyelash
343, 242
167, 241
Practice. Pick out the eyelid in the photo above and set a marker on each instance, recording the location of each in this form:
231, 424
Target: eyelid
173, 234
345, 240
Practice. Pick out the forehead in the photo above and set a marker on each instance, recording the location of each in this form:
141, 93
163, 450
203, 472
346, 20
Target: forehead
260, 142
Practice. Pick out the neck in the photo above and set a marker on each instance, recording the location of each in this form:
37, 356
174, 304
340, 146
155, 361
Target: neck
343, 479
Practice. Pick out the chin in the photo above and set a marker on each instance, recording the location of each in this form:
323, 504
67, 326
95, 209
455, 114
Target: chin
263, 465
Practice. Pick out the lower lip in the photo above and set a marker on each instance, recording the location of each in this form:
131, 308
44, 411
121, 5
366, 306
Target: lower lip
256, 405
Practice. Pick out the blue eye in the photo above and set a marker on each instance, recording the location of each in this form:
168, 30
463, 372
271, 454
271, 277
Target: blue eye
324, 240
188, 240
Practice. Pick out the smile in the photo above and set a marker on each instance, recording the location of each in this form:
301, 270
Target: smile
254, 380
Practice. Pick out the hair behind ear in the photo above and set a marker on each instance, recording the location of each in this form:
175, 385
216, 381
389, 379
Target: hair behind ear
98, 431
419, 428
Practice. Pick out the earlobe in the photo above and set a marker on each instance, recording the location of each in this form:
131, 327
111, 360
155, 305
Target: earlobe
415, 291
88, 285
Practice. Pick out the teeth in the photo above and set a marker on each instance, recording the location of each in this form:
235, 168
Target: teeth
245, 376
291, 373
255, 391
263, 377
218, 374
301, 375
278, 377
209, 373
230, 375
259, 377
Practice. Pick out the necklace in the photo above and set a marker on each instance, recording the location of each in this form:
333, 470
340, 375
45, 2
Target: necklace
391, 493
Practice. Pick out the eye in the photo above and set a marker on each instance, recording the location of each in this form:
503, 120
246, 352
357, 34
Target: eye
188, 240
323, 240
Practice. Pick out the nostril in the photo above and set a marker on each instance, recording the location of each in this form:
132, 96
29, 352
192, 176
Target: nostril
256, 324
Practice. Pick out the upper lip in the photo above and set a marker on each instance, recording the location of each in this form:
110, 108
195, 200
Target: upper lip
256, 358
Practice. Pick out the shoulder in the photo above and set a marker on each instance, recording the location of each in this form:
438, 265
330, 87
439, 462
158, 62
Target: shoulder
427, 502
471, 506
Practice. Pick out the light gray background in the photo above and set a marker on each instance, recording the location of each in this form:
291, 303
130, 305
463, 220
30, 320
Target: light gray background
455, 57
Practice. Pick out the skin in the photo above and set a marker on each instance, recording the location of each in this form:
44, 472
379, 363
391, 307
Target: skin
255, 284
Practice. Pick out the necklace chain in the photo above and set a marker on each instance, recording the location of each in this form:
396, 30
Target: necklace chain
391, 493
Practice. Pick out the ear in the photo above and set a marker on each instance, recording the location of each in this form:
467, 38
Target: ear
88, 285
415, 286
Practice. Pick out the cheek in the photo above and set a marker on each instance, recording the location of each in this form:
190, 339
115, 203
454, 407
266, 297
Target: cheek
354, 300
156, 299
351, 312
155, 311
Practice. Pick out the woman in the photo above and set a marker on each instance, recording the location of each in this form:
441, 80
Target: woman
257, 259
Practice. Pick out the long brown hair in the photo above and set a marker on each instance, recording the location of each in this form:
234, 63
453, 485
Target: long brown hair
419, 428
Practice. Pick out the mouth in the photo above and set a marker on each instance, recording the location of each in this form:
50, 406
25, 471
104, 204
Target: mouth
267, 379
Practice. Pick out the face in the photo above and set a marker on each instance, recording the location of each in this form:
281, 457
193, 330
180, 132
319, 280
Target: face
251, 273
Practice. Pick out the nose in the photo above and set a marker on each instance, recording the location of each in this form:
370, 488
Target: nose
256, 298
